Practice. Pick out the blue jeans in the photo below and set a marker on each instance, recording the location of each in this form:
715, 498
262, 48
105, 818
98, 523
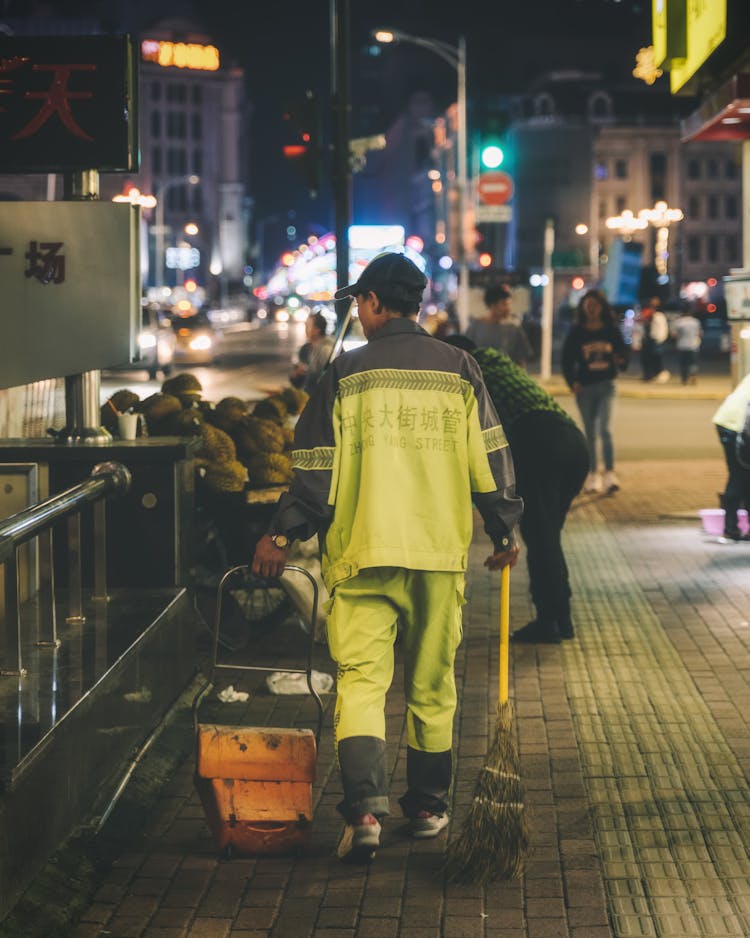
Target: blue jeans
595, 404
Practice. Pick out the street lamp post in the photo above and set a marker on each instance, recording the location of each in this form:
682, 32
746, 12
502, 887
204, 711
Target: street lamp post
626, 223
260, 238
455, 56
548, 293
660, 217
159, 229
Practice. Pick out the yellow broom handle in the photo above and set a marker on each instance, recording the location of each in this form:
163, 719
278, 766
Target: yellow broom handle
504, 633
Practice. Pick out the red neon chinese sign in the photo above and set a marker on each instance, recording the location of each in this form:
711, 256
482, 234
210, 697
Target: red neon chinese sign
66, 104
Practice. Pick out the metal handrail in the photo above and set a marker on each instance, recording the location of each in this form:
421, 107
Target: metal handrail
108, 478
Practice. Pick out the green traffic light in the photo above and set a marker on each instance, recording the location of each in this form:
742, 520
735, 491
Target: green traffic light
492, 156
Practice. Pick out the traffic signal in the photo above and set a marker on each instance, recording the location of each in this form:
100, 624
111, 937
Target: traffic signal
494, 152
303, 150
491, 156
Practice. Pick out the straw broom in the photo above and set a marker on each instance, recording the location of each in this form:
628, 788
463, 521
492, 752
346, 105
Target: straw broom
494, 838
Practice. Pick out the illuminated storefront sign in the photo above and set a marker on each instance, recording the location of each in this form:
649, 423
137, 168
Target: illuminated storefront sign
191, 55
685, 33
182, 258
706, 29
668, 28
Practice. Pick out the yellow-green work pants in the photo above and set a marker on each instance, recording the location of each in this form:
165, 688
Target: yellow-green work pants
366, 612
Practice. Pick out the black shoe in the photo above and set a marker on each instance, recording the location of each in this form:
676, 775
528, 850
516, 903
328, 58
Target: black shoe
537, 633
566, 629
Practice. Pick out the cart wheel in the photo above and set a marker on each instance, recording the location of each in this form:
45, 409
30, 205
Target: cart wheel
263, 602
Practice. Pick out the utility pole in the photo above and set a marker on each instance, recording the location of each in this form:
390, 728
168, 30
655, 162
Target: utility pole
462, 304
82, 391
341, 164
548, 292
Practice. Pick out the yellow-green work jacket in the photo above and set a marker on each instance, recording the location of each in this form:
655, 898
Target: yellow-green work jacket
396, 440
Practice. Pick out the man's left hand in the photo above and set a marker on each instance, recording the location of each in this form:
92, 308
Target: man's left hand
269, 560
502, 558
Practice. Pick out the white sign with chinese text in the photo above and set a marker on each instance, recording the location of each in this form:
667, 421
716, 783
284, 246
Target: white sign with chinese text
70, 288
487, 214
183, 258
737, 295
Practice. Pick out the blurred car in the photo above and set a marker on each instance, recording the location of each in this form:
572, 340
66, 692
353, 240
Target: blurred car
227, 316
196, 340
155, 344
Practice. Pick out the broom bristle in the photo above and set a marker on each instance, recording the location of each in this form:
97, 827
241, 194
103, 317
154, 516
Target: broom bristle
494, 837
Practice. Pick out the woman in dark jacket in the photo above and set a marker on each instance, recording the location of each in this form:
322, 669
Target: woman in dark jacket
594, 353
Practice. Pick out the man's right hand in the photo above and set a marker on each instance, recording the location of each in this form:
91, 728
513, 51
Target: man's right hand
502, 558
269, 560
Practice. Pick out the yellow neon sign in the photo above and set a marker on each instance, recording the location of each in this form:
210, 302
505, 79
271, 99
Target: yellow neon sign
659, 30
191, 55
706, 29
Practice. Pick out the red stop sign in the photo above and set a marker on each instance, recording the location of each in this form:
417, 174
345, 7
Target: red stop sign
494, 188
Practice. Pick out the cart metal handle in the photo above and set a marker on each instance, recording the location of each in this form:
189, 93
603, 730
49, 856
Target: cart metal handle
216, 665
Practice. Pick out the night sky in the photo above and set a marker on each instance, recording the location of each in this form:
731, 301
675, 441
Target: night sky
284, 48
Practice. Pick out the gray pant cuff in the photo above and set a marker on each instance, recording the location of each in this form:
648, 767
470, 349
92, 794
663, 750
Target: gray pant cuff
376, 804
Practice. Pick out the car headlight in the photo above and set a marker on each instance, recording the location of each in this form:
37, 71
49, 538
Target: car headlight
200, 343
146, 340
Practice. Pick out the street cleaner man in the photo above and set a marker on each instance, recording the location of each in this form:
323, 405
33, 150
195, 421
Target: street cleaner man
395, 442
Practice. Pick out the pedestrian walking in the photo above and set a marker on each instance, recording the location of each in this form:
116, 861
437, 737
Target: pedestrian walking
551, 461
593, 355
397, 440
688, 333
497, 330
655, 332
732, 421
313, 356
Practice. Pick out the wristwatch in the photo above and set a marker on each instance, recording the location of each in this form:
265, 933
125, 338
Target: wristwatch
280, 540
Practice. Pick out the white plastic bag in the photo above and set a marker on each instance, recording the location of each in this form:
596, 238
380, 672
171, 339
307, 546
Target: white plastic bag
284, 682
306, 554
230, 695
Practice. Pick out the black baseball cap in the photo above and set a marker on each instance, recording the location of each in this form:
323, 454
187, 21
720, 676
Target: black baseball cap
392, 274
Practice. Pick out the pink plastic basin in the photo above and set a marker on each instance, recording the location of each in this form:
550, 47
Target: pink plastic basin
713, 521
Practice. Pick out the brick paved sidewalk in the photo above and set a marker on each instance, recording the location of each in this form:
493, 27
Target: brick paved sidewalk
634, 748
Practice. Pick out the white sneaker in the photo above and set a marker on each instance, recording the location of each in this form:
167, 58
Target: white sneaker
663, 377
360, 840
425, 826
593, 482
611, 482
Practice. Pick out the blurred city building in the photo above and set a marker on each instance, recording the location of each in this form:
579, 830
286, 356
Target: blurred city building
602, 157
192, 119
598, 158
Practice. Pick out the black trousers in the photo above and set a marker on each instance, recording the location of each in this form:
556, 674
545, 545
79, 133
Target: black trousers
652, 359
737, 493
688, 359
551, 462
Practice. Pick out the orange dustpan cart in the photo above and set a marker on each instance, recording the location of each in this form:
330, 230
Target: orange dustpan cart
255, 783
